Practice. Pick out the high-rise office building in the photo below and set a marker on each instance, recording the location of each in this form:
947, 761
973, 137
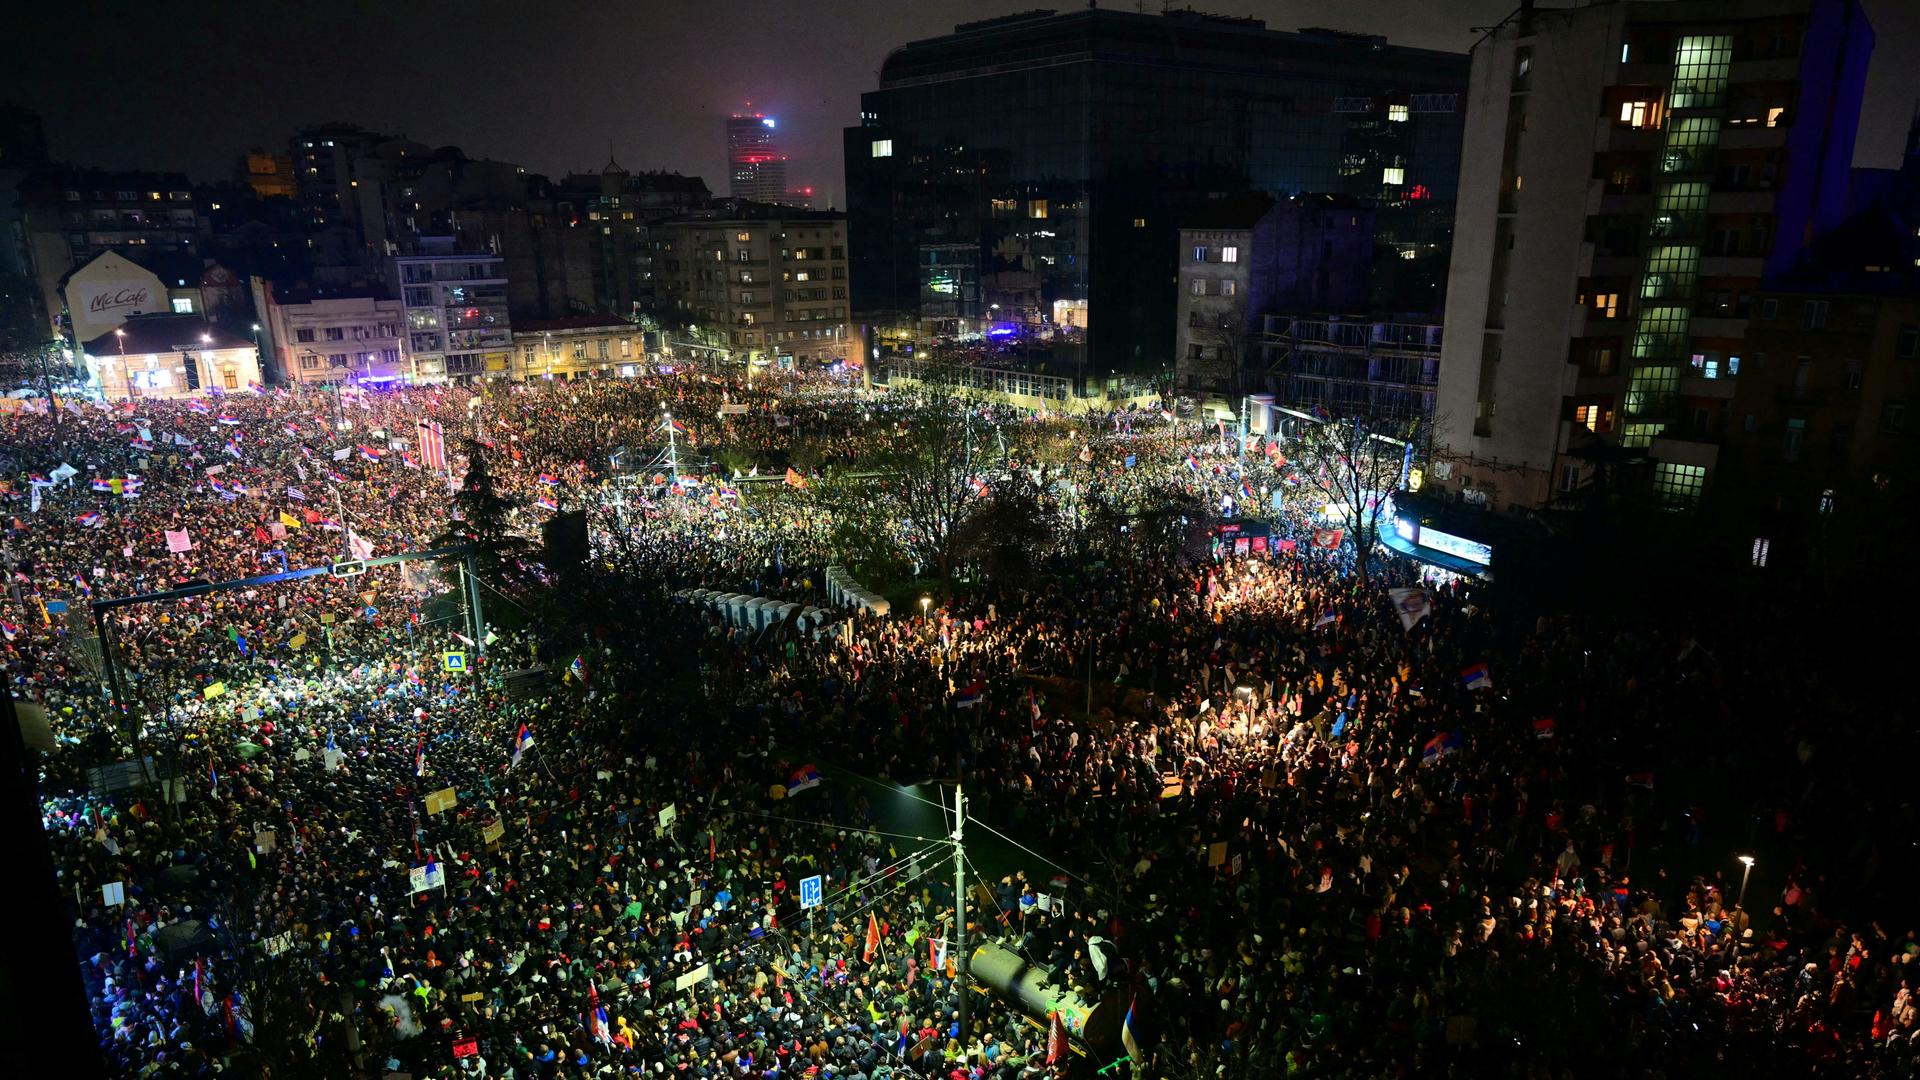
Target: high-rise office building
1043, 163
1633, 171
756, 169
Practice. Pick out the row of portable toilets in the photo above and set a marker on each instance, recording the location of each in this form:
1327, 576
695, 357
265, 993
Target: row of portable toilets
842, 589
745, 612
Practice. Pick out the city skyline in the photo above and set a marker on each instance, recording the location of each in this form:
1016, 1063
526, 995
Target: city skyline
209, 89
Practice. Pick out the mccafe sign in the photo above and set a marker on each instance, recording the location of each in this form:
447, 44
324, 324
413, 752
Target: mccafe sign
115, 299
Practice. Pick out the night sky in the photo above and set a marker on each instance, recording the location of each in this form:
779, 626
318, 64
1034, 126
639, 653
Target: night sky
549, 85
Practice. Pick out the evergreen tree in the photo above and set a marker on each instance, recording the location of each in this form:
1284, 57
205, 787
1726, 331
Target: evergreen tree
483, 519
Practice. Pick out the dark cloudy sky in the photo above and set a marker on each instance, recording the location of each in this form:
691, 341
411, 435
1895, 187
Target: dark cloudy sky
550, 83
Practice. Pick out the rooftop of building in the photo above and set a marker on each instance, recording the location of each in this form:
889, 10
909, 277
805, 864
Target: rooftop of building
1183, 37
595, 321
160, 333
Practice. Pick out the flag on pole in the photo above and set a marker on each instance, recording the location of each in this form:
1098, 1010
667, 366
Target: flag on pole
433, 444
521, 741
597, 1015
1412, 603
234, 635
1130, 1034
1056, 1038
1477, 677
802, 778
1439, 746
549, 479
937, 952
794, 479
1543, 728
420, 757
872, 944
91, 520
1328, 539
970, 695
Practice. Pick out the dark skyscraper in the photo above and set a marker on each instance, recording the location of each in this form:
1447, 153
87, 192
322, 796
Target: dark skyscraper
756, 169
1054, 155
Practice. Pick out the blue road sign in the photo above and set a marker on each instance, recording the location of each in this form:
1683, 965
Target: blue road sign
810, 892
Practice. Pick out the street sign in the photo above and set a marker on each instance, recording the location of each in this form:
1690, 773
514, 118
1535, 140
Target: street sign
456, 661
810, 892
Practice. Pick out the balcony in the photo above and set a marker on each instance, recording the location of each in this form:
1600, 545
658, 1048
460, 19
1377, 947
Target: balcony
1717, 326
1752, 137
1683, 451
1756, 201
1741, 266
1699, 386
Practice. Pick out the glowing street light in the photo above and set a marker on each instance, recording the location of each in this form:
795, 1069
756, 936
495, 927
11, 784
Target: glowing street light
1747, 862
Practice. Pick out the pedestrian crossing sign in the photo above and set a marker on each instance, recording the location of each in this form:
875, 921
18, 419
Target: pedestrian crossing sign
456, 661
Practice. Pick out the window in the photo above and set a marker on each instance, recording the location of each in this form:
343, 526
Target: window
743, 238
1195, 352
746, 297
1700, 68
601, 348
1200, 253
1393, 174
1229, 254
1569, 477
1198, 286
579, 350
304, 334
1791, 441
335, 333
1908, 344
1769, 310
1139, 223
1813, 315
1679, 485
1593, 417
1826, 502
308, 362
1762, 547
182, 305
1037, 209
1690, 145
1397, 114
626, 348
1893, 416
1229, 288
1853, 376
1638, 114
883, 148
337, 360
526, 356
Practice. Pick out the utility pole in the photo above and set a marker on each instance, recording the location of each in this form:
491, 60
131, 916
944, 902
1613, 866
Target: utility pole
673, 447
960, 904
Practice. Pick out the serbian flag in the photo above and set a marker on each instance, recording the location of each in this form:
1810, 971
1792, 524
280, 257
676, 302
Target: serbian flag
677, 426
8, 630
521, 740
804, 777
794, 479
230, 421
372, 453
1477, 677
102, 485
937, 952
549, 479
578, 669
545, 503
1246, 490
1543, 728
597, 1015
1130, 1034
90, 519
1328, 539
336, 477
1439, 746
872, 944
970, 695
420, 758
1192, 464
196, 405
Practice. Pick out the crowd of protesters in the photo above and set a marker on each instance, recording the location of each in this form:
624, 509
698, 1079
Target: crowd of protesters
1302, 834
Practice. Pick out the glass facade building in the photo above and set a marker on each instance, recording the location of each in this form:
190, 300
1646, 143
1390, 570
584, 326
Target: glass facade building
1057, 154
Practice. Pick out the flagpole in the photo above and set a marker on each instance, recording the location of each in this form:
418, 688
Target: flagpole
960, 903
346, 528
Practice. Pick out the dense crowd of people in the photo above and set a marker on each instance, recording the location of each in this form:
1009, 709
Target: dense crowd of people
1293, 823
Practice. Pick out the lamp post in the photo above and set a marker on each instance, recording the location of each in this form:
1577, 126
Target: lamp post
925, 603
121, 336
1747, 862
259, 358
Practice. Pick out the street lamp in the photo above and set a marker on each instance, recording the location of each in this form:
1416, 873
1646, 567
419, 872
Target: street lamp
925, 603
121, 336
1747, 862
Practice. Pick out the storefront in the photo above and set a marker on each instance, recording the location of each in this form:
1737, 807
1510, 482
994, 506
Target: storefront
1421, 538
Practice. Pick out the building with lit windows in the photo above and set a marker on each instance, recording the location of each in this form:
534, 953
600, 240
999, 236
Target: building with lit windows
457, 326
577, 347
1633, 173
765, 284
756, 169
337, 339
1060, 153
169, 356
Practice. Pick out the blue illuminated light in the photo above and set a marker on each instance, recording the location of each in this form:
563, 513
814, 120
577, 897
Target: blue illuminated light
767, 120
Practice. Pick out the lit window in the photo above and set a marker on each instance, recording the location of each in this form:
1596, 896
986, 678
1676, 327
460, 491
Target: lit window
883, 148
1198, 286
1637, 114
1229, 288
1826, 501
1606, 305
1199, 253
1397, 114
1762, 547
1037, 208
1229, 254
1139, 223
182, 305
1393, 174
743, 238
1774, 114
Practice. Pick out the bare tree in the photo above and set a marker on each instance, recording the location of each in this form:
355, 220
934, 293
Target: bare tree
1355, 464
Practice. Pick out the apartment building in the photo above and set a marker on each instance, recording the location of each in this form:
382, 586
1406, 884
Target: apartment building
767, 284
1632, 173
577, 347
339, 339
455, 303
